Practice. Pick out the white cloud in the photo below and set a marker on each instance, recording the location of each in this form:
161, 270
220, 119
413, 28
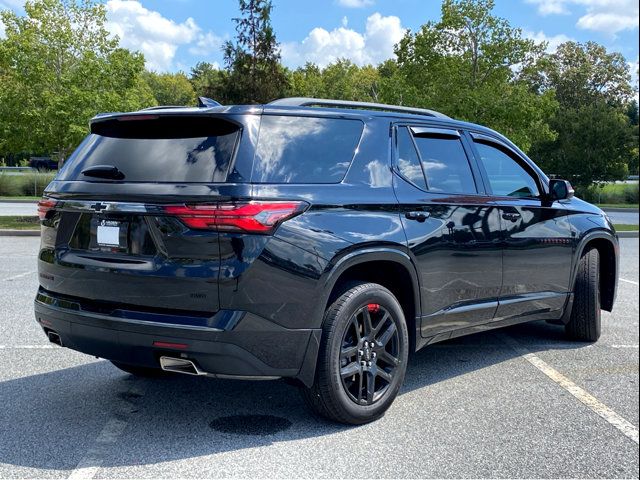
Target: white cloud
607, 16
157, 37
206, 44
550, 7
609, 22
355, 3
322, 47
553, 41
1, 29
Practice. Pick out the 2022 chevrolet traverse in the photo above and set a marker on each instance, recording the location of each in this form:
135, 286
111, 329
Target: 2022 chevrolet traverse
316, 240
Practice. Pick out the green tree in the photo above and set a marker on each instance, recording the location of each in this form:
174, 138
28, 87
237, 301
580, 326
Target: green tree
171, 88
594, 144
581, 73
632, 114
253, 62
341, 80
209, 81
467, 65
392, 84
597, 140
307, 81
346, 81
59, 67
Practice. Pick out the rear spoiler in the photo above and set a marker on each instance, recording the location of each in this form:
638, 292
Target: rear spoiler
180, 111
152, 125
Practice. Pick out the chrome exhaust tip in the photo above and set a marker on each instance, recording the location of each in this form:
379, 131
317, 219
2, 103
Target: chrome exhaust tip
180, 365
54, 338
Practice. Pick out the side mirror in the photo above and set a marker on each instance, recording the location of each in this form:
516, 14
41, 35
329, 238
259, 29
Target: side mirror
561, 189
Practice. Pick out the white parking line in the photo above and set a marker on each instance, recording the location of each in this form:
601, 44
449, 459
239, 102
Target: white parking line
626, 427
27, 347
630, 281
20, 275
92, 461
624, 346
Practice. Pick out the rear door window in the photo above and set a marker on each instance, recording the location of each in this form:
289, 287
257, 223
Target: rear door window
157, 149
445, 164
305, 149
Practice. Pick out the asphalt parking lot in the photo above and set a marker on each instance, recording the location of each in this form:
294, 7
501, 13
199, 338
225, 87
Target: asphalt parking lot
523, 402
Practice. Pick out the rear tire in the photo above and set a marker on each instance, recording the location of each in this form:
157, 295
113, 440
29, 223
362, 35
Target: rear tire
585, 322
363, 356
140, 371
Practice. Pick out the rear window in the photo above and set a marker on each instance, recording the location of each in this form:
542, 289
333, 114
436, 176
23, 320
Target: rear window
157, 149
305, 149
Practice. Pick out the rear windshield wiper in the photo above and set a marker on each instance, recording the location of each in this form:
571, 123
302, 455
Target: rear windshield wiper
104, 171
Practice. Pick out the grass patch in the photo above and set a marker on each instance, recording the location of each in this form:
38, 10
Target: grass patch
625, 227
630, 206
20, 197
611, 194
19, 222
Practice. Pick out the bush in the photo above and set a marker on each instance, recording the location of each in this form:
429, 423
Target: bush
24, 184
612, 193
33, 184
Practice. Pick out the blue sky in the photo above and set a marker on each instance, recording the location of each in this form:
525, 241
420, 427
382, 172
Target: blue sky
176, 34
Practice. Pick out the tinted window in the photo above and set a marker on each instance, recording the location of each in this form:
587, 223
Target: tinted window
506, 176
445, 164
304, 149
408, 161
157, 150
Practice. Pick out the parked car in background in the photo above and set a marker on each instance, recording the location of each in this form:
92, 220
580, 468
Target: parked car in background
316, 240
43, 163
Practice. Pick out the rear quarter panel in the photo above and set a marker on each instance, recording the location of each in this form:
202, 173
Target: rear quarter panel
283, 277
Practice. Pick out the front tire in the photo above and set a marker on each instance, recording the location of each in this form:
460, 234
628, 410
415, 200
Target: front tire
585, 322
363, 356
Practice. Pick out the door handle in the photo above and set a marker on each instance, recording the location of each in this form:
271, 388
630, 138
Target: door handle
511, 216
418, 216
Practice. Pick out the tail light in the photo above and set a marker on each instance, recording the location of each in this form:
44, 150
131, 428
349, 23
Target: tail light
45, 205
249, 217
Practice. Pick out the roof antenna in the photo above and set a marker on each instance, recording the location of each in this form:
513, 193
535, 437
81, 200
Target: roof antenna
207, 102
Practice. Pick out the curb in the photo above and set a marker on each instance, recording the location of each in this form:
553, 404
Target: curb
17, 200
19, 233
633, 234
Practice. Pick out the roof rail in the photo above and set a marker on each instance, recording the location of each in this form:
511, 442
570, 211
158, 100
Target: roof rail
323, 102
208, 102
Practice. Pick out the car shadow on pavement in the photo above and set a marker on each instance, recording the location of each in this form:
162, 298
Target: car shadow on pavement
51, 420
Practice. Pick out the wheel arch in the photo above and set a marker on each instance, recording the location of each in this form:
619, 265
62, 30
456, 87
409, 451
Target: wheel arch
390, 267
608, 249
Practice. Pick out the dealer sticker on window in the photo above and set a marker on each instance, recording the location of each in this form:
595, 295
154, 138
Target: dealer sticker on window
108, 233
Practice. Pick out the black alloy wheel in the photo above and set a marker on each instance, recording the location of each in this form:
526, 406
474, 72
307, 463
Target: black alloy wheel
363, 355
369, 355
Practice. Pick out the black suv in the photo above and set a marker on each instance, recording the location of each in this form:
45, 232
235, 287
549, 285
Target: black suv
316, 240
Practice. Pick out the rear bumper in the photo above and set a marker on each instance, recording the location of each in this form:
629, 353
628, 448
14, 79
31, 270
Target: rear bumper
240, 344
